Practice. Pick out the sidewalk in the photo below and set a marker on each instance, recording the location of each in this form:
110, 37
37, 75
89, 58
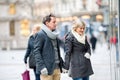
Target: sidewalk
12, 66
101, 63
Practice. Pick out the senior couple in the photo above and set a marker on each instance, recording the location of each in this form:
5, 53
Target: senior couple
49, 63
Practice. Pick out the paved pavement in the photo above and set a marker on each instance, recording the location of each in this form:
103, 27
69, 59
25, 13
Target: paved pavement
12, 66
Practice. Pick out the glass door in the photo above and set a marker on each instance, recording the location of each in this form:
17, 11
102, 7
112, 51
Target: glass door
113, 37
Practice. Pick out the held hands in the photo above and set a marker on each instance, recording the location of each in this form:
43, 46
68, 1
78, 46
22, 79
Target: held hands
44, 71
87, 55
64, 70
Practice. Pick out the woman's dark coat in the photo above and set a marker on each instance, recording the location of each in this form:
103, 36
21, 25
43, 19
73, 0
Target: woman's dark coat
29, 52
75, 62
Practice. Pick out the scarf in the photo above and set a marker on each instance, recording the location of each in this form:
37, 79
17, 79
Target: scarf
50, 34
79, 38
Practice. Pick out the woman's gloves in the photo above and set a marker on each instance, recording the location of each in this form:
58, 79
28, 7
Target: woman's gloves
87, 55
44, 71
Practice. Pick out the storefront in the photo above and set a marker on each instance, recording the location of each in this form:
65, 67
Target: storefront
114, 37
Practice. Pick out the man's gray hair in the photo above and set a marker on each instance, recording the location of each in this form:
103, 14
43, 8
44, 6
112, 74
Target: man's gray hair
47, 18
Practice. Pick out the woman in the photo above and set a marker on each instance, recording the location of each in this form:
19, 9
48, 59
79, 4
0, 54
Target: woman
29, 53
77, 48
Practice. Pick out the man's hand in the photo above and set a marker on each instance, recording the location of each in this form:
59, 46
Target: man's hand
64, 70
44, 71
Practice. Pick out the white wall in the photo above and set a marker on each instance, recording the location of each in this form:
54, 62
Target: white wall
4, 10
4, 29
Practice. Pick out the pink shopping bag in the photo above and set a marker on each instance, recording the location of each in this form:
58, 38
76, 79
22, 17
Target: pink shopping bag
26, 75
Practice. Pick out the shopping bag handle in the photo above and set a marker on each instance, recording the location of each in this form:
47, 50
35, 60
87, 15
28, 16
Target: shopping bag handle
26, 66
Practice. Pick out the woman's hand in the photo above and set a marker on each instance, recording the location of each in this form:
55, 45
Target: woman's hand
87, 55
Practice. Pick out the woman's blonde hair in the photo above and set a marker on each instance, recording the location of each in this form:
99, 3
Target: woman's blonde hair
37, 27
77, 24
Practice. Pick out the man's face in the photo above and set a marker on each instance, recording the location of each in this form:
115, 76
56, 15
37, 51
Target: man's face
52, 24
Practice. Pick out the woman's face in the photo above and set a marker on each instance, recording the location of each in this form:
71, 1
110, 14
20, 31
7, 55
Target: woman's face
34, 30
80, 30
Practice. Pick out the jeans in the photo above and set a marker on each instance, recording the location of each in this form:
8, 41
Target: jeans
84, 78
37, 76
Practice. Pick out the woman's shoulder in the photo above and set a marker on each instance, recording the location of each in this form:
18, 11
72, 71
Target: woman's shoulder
69, 36
86, 37
31, 37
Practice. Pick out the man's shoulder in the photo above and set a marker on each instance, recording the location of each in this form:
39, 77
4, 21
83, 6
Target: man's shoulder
41, 33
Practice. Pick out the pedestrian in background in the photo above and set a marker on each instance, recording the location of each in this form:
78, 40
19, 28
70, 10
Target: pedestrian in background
77, 49
93, 41
29, 51
47, 51
113, 39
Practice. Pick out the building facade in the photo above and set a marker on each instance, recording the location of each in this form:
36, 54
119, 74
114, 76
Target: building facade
14, 15
18, 16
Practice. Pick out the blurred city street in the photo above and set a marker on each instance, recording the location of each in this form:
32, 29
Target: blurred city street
12, 66
102, 23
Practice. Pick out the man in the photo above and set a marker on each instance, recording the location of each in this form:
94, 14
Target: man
93, 41
46, 49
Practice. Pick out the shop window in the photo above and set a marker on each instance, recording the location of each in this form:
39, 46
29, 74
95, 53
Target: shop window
12, 9
25, 30
12, 28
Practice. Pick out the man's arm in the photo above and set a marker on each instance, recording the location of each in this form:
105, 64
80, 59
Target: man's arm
38, 46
